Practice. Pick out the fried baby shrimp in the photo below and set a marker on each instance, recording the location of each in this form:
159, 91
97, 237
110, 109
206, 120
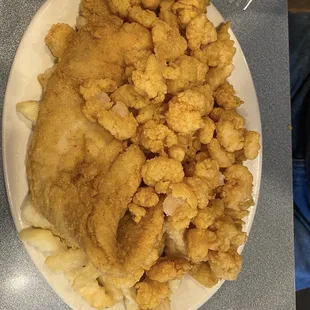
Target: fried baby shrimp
151, 112
206, 133
200, 31
225, 97
166, 14
206, 217
192, 73
160, 172
137, 59
127, 95
209, 170
219, 53
145, 18
157, 137
151, 294
186, 110
168, 42
199, 242
146, 197
251, 144
168, 269
118, 120
218, 153
237, 188
218, 114
176, 152
201, 190
229, 137
228, 235
225, 266
216, 76
186, 10
204, 275
150, 81
180, 206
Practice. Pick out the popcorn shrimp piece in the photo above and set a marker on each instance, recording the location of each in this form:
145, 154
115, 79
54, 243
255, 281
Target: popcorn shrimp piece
225, 97
168, 43
192, 73
218, 114
127, 95
204, 275
200, 31
207, 132
150, 82
225, 266
251, 144
217, 76
168, 269
156, 137
151, 294
146, 197
218, 153
144, 17
238, 186
229, 137
161, 171
199, 241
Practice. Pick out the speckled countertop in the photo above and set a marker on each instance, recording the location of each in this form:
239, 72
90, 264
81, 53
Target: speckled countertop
267, 279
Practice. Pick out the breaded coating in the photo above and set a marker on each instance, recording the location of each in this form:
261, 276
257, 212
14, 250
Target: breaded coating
187, 109
146, 197
209, 170
118, 120
152, 112
218, 153
137, 212
119, 7
186, 10
176, 152
151, 4
58, 39
206, 133
251, 144
168, 269
157, 137
204, 275
192, 73
150, 81
238, 186
218, 114
127, 95
225, 266
206, 217
220, 53
168, 42
137, 59
145, 18
161, 171
201, 189
151, 293
230, 138
199, 241
216, 76
200, 31
225, 97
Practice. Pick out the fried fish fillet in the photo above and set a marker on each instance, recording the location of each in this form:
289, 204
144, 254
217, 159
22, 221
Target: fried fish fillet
80, 177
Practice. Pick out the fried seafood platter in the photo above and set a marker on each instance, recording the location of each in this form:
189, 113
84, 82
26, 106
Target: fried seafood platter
136, 167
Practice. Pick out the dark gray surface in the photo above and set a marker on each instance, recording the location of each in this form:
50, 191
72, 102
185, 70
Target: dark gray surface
267, 279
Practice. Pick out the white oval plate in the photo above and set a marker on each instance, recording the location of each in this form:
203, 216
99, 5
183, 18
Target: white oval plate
33, 58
